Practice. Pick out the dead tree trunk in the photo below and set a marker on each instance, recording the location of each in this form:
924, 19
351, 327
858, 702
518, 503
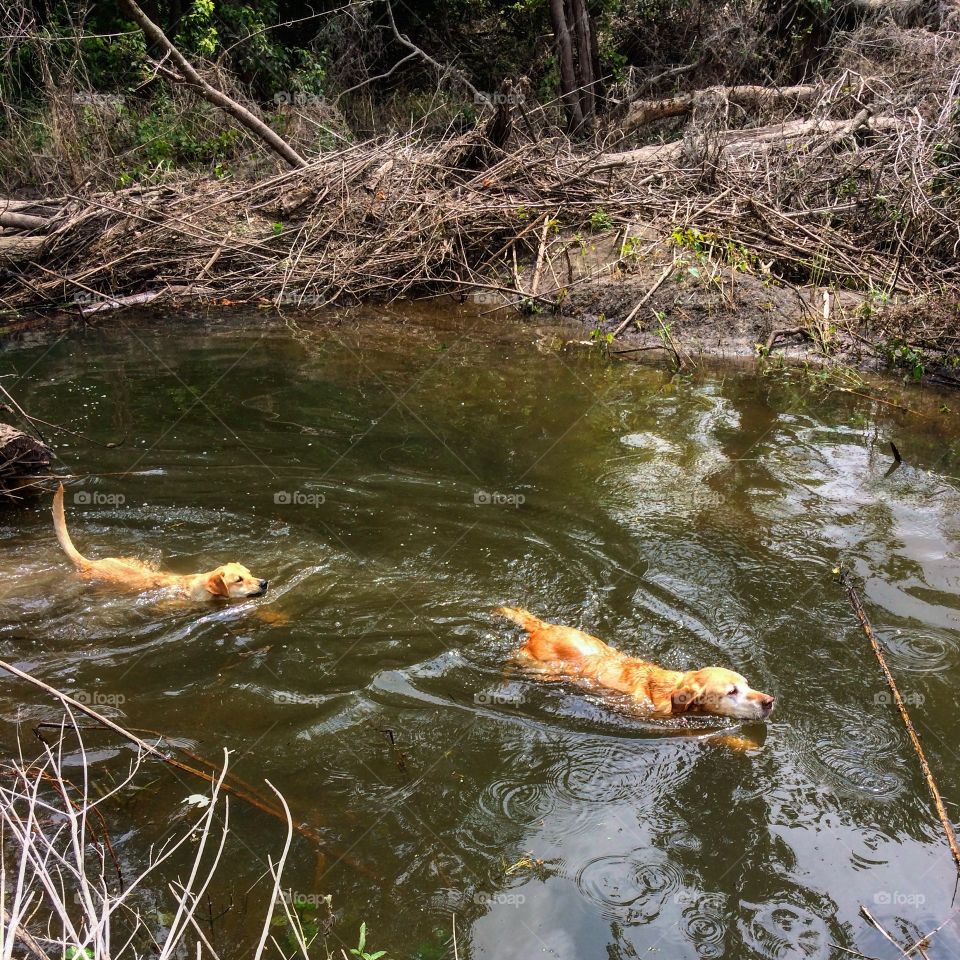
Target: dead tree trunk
576, 53
569, 93
489, 142
585, 46
23, 221
731, 144
188, 75
642, 112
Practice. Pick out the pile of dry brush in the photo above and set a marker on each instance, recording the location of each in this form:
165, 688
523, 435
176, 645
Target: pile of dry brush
852, 181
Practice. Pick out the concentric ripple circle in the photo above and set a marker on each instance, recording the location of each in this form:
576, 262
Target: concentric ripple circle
704, 926
518, 801
631, 888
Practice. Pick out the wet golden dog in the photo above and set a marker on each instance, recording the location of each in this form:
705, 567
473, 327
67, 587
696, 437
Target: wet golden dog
565, 653
232, 580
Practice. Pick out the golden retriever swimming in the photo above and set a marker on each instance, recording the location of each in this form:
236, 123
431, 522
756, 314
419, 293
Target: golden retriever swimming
232, 580
566, 653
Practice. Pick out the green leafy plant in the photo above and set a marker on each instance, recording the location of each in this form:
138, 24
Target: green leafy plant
305, 918
530, 306
705, 245
168, 136
600, 221
631, 248
899, 353
360, 950
689, 238
664, 329
198, 33
597, 334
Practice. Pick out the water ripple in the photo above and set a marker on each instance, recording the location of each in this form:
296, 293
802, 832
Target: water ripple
859, 750
631, 888
607, 772
781, 930
518, 800
703, 924
920, 651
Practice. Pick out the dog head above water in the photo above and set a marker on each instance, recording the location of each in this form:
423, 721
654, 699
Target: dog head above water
722, 693
233, 581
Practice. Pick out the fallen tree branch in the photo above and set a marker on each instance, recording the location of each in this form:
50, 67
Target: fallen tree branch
908, 723
923, 942
867, 915
659, 283
643, 112
737, 142
152, 751
782, 333
189, 76
860, 120
138, 299
34, 948
442, 69
22, 458
23, 221
652, 346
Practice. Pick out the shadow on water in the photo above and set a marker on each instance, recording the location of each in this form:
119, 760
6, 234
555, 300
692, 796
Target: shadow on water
395, 482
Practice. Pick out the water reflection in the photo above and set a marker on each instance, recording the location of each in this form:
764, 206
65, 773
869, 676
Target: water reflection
691, 522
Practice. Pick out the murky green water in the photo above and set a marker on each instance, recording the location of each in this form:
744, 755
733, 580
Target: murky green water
395, 482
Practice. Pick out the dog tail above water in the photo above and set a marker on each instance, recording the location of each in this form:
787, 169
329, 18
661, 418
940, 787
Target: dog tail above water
523, 618
60, 525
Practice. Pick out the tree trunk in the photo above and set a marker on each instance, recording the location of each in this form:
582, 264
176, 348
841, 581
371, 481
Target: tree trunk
23, 221
642, 112
737, 143
578, 58
569, 92
585, 51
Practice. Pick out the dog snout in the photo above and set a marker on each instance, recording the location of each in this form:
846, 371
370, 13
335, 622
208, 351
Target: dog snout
766, 703
266, 583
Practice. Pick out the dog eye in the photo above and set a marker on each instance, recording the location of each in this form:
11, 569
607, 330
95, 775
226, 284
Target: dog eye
240, 580
732, 692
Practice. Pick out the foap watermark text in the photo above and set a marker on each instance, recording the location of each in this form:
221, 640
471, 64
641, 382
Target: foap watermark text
484, 498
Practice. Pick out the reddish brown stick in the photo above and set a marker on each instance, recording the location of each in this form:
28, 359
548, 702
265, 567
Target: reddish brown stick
908, 723
152, 751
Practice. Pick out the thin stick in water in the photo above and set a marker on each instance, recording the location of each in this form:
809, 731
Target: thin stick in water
908, 723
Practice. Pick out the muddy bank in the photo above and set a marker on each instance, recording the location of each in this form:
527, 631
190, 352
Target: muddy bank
681, 306
822, 218
642, 250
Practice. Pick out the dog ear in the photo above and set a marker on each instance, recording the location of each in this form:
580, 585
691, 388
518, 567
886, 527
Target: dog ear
216, 586
686, 695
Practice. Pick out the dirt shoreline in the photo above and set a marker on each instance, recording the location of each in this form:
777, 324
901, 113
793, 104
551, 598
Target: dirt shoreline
635, 289
722, 312
685, 324
650, 252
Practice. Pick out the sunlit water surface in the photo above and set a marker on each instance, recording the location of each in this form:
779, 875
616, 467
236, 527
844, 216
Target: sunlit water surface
395, 481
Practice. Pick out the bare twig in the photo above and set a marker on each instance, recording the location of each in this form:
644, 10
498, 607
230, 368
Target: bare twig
656, 286
150, 749
901, 707
443, 70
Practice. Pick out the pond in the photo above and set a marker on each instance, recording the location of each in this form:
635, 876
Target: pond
396, 477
